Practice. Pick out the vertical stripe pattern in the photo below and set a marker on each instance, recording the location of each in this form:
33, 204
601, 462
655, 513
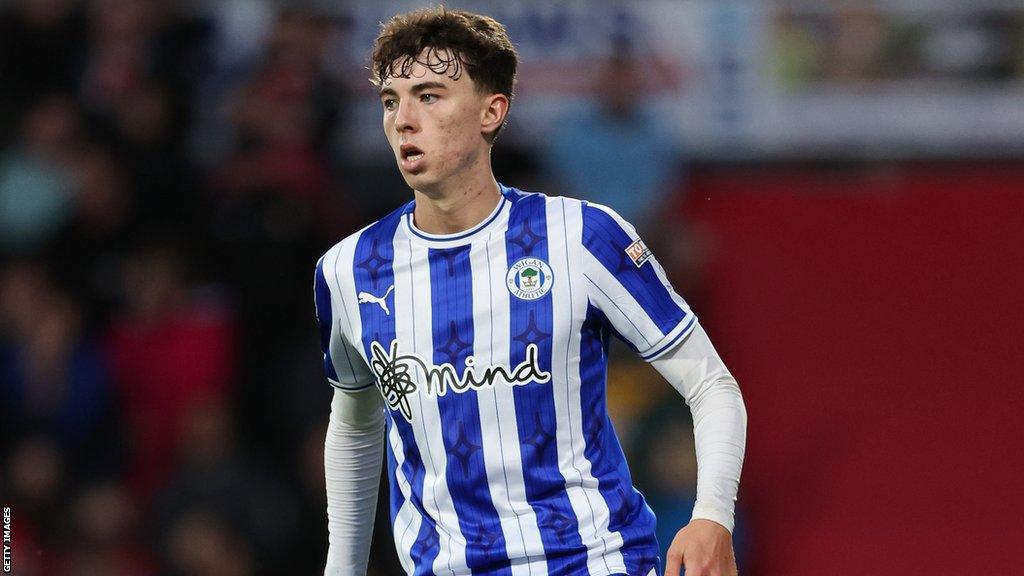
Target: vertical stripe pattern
498, 417
629, 517
373, 272
451, 300
490, 349
415, 333
530, 322
582, 487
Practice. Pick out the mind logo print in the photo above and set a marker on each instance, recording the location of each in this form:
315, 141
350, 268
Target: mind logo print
397, 375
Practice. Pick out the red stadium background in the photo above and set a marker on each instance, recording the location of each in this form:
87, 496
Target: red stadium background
873, 318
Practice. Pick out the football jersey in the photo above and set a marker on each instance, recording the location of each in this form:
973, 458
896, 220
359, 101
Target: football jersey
489, 348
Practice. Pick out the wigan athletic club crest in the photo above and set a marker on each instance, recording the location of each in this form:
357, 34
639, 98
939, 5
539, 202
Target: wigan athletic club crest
529, 279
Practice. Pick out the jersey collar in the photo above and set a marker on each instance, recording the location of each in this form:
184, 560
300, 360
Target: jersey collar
495, 220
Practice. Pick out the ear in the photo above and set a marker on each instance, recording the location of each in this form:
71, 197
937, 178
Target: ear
493, 113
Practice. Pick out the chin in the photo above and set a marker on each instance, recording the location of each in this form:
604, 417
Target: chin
422, 181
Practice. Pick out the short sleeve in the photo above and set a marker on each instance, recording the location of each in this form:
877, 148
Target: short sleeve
344, 367
629, 286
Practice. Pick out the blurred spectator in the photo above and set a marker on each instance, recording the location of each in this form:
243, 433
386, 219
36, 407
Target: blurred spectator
612, 151
105, 527
201, 543
221, 490
143, 63
117, 58
141, 67
856, 53
171, 352
40, 46
34, 477
131, 42
52, 376
35, 180
147, 132
282, 120
274, 200
89, 253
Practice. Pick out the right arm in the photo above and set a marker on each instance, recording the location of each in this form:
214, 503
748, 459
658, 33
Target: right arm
353, 449
353, 452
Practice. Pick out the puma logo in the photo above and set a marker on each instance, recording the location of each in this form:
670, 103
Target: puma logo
366, 297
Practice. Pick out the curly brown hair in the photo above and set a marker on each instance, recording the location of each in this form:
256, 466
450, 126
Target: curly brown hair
446, 41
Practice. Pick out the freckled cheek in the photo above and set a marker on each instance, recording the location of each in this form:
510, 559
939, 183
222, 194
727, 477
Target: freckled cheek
456, 152
456, 140
446, 142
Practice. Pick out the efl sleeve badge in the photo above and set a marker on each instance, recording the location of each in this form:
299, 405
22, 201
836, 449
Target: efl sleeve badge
638, 252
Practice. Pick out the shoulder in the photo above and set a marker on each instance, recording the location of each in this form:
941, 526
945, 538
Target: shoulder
328, 261
603, 226
610, 239
531, 202
595, 224
598, 215
591, 212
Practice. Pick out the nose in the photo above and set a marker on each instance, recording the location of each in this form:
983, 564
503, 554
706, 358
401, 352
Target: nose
406, 119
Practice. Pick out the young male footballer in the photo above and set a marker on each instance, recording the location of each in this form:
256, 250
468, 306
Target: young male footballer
468, 333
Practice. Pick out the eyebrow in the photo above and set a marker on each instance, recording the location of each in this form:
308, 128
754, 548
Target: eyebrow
417, 88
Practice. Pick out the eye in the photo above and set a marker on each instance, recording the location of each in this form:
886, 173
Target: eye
390, 104
428, 98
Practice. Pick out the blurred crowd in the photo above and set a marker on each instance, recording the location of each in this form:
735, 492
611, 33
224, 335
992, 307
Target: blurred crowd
166, 186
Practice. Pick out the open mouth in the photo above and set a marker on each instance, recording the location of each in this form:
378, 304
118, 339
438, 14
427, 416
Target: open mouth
410, 152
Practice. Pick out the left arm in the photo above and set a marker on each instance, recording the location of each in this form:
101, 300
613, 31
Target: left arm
694, 368
628, 285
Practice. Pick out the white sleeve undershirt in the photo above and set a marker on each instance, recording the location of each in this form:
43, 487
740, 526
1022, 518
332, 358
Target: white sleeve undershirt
719, 423
353, 452
355, 441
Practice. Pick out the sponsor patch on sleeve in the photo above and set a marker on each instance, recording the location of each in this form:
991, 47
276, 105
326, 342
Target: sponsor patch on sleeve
638, 252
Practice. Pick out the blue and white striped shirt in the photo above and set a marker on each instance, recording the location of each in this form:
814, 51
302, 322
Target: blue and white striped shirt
490, 349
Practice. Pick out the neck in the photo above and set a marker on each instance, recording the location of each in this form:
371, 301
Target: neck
457, 206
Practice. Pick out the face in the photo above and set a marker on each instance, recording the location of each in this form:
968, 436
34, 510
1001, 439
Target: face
437, 126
